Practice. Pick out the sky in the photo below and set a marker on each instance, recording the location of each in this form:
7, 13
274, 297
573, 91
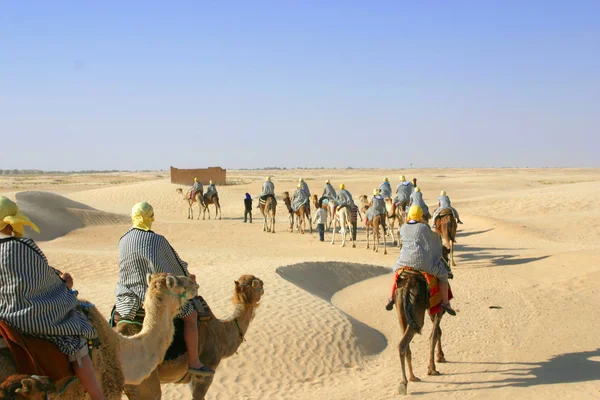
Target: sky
366, 84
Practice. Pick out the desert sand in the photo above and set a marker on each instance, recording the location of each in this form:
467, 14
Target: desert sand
529, 246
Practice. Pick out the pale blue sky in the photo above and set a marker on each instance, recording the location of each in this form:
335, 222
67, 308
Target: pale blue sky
145, 85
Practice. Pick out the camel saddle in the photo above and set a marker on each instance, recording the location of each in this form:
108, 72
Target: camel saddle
431, 282
263, 199
177, 347
444, 212
337, 208
35, 356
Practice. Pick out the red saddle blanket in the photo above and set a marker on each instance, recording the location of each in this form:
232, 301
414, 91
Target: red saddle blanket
35, 356
435, 296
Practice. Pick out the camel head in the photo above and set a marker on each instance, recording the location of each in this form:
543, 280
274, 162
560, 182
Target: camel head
248, 290
286, 195
363, 199
27, 387
174, 290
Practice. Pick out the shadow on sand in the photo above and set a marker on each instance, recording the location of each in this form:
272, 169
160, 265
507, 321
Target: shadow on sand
460, 234
565, 368
493, 255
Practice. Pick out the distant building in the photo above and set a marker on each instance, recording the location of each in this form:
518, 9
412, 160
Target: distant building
186, 176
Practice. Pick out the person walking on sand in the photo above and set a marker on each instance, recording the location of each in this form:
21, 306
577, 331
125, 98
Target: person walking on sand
247, 208
321, 220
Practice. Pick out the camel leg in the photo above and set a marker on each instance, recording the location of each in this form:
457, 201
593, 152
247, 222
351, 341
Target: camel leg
452, 253
433, 339
349, 224
403, 346
333, 234
367, 230
199, 386
411, 375
273, 224
441, 358
148, 389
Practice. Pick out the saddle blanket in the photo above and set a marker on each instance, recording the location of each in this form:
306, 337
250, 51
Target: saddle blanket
435, 296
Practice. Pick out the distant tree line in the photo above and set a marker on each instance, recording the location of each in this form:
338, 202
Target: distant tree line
40, 172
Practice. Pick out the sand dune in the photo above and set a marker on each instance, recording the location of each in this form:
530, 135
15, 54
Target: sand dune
530, 245
56, 215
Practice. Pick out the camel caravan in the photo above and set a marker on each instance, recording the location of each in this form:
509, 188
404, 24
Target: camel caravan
161, 331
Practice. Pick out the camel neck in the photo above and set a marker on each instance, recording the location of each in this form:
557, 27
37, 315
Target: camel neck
237, 325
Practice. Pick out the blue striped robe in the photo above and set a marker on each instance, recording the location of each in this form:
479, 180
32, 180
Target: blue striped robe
36, 301
142, 253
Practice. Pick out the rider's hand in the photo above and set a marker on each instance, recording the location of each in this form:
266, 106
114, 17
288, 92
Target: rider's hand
68, 279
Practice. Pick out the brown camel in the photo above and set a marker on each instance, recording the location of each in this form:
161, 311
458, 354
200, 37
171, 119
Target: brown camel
412, 301
218, 339
214, 199
21, 387
378, 220
445, 226
300, 215
268, 210
120, 360
393, 219
198, 197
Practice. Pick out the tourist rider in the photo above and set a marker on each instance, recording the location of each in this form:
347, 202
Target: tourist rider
444, 203
38, 300
403, 191
142, 252
416, 198
385, 189
422, 250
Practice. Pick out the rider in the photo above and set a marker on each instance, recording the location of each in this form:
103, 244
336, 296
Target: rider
268, 188
212, 190
403, 191
196, 188
386, 189
329, 191
422, 250
37, 299
377, 207
300, 198
416, 198
142, 252
344, 198
444, 203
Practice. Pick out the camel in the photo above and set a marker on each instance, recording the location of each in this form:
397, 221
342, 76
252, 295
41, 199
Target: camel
199, 197
218, 339
300, 215
268, 210
446, 226
378, 220
214, 199
129, 360
392, 219
32, 387
342, 218
412, 301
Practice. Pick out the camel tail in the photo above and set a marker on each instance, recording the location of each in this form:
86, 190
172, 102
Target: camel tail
409, 308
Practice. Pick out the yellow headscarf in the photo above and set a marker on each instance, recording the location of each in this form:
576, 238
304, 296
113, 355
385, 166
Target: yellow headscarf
375, 192
195, 179
443, 193
142, 216
342, 186
415, 213
10, 215
402, 178
417, 189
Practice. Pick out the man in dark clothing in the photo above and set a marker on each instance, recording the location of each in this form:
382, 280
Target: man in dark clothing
248, 208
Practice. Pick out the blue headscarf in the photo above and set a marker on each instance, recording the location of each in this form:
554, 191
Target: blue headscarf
248, 197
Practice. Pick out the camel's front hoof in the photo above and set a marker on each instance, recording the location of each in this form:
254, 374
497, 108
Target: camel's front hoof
453, 264
331, 243
414, 379
395, 243
353, 246
432, 371
402, 389
441, 359
385, 252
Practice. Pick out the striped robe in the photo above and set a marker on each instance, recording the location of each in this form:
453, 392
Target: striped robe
142, 253
36, 301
